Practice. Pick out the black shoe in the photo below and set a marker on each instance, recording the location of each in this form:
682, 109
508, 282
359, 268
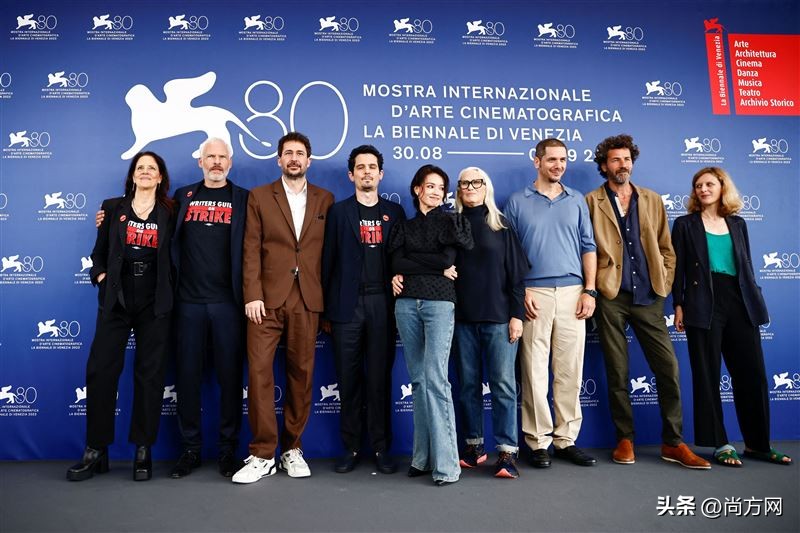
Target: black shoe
228, 464
416, 472
575, 455
347, 462
142, 464
91, 462
384, 463
188, 461
443, 483
540, 458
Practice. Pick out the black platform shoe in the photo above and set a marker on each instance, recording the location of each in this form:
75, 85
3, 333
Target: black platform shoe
91, 462
142, 464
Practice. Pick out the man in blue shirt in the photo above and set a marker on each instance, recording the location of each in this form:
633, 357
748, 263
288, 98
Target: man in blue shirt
553, 224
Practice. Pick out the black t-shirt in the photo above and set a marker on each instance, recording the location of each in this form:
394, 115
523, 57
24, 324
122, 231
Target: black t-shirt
371, 231
141, 238
205, 271
141, 246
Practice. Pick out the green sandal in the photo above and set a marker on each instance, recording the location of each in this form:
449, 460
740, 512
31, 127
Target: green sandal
725, 454
772, 456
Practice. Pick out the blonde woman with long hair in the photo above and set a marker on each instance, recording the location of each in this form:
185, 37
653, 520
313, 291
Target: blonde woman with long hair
720, 306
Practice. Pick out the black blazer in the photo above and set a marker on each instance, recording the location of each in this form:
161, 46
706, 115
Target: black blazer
182, 198
692, 288
343, 255
109, 249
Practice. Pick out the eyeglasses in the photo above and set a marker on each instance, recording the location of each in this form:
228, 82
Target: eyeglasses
476, 184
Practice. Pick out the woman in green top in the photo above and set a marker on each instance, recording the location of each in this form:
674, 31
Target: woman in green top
720, 306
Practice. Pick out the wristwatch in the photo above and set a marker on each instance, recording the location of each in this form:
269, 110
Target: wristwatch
590, 292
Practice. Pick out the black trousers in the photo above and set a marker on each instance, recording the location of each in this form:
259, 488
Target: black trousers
224, 323
364, 350
735, 339
106, 360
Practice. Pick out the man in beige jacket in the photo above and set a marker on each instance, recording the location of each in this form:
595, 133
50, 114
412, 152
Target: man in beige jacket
635, 268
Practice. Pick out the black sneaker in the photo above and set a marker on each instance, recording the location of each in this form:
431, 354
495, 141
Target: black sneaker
473, 455
384, 463
188, 461
506, 466
228, 464
347, 462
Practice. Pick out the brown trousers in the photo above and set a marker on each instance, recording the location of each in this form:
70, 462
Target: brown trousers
300, 327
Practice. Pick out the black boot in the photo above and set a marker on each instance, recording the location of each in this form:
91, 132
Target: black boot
142, 464
91, 462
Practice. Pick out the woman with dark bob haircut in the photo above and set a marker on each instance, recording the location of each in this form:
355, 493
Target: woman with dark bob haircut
423, 253
133, 273
719, 305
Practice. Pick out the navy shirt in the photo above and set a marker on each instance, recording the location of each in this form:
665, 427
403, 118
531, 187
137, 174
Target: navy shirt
635, 275
490, 285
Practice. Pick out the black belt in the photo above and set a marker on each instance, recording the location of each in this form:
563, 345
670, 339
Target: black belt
138, 268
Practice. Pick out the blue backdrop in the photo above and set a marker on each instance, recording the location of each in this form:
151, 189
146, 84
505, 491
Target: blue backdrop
84, 86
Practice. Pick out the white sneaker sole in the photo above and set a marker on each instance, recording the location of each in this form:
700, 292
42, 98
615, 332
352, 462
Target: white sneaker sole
270, 471
294, 474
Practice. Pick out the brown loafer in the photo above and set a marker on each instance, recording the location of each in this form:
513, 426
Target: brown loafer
623, 453
682, 455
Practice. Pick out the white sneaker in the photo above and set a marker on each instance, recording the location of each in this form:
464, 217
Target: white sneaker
254, 469
294, 464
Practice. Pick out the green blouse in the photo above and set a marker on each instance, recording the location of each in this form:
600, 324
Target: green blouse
720, 254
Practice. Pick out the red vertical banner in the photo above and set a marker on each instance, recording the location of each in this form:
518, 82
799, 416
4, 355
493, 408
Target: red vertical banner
717, 72
765, 74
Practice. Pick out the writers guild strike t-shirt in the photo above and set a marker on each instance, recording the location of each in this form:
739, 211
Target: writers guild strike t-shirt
205, 269
372, 240
141, 238
141, 245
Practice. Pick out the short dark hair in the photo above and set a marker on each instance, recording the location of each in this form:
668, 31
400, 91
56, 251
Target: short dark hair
419, 179
364, 149
294, 136
162, 196
543, 145
616, 142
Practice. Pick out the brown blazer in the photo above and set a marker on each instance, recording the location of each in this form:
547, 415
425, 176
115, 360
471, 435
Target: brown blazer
656, 242
271, 250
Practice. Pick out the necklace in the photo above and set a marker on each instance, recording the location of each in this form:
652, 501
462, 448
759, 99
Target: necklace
716, 226
146, 210
621, 200
711, 219
623, 195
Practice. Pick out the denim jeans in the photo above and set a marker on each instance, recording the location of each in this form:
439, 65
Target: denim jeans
426, 329
470, 341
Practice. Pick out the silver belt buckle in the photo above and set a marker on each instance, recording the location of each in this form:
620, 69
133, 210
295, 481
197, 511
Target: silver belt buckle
139, 268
